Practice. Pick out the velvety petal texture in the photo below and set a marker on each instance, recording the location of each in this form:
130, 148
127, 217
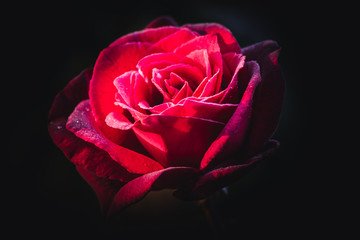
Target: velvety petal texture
180, 107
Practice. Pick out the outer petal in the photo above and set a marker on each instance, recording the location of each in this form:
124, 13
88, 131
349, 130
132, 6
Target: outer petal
137, 189
76, 91
177, 141
104, 188
79, 152
232, 136
169, 43
224, 175
269, 95
161, 22
226, 40
81, 123
111, 63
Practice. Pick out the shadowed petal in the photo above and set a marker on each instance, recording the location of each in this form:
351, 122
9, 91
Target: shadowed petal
269, 95
104, 188
222, 176
137, 189
232, 136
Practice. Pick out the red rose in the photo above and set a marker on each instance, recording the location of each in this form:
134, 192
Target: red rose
170, 107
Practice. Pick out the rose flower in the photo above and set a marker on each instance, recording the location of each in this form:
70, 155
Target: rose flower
173, 107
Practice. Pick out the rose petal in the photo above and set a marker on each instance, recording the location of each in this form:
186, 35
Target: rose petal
231, 61
201, 58
177, 141
216, 179
226, 40
85, 154
149, 35
104, 188
78, 151
156, 60
187, 72
112, 62
119, 121
82, 123
269, 95
161, 22
184, 92
156, 109
208, 42
211, 85
76, 91
138, 188
169, 43
235, 89
235, 131
204, 110
137, 115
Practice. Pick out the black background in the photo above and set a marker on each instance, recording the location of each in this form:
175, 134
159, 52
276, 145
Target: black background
288, 195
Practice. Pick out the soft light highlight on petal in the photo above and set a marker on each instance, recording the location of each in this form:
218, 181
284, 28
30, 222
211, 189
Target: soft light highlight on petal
82, 124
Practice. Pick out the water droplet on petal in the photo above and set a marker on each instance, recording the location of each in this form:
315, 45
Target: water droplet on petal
59, 127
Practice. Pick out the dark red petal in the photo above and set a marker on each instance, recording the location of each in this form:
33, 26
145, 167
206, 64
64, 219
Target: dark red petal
78, 151
85, 154
226, 40
177, 141
138, 188
112, 62
211, 111
232, 136
104, 188
269, 95
225, 175
149, 35
161, 22
82, 123
76, 91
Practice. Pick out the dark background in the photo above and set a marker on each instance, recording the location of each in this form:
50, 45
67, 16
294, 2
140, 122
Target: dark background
47, 45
